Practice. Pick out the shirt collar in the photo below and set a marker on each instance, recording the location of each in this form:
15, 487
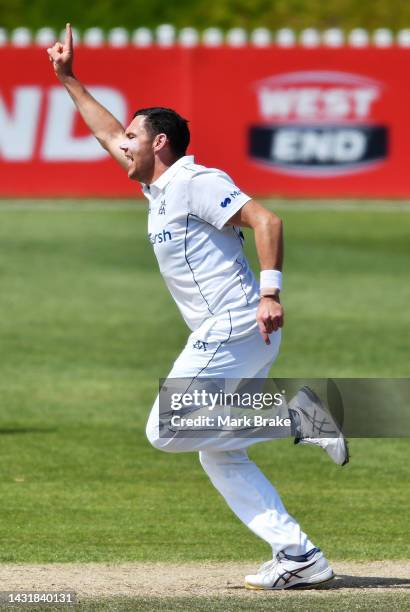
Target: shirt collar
163, 180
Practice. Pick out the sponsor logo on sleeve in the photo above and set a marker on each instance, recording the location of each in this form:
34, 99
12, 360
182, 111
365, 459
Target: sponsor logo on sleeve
229, 199
319, 123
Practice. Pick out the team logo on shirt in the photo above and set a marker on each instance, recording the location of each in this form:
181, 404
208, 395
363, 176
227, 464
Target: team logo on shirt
228, 200
200, 345
161, 210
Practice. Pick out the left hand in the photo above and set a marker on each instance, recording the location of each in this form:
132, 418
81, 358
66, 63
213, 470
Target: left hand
269, 316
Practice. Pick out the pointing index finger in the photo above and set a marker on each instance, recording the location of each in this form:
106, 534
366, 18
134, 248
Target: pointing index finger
68, 37
264, 333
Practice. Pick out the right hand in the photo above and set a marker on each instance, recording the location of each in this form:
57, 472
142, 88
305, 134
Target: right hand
269, 316
62, 55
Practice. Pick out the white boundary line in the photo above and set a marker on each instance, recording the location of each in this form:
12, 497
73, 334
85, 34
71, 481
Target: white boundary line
139, 205
72, 205
339, 206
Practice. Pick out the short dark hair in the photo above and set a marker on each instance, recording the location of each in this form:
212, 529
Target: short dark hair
161, 120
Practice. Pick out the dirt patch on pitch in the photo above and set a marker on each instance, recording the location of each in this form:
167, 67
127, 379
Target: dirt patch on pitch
176, 580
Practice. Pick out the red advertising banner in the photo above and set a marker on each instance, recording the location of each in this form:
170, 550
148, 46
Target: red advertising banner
292, 122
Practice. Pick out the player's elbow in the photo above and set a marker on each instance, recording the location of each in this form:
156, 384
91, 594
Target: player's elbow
270, 223
105, 140
109, 140
102, 141
275, 220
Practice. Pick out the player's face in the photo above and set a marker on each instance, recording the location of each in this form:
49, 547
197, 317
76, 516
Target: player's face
139, 151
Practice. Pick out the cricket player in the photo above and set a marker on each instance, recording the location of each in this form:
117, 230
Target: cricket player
194, 221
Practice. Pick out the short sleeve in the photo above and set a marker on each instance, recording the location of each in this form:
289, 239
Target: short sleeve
214, 197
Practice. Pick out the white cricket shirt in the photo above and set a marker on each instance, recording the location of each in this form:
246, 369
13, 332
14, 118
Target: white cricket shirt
200, 258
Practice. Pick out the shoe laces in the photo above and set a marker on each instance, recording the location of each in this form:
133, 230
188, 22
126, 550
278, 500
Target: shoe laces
269, 566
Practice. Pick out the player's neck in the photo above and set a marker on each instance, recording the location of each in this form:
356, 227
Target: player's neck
161, 166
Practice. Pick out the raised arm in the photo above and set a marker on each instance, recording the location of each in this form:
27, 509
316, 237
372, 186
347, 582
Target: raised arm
105, 127
269, 246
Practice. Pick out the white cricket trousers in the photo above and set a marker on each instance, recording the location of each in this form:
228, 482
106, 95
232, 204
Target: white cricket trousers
230, 346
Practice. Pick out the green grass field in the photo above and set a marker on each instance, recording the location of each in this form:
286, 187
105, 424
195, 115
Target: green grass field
87, 328
315, 602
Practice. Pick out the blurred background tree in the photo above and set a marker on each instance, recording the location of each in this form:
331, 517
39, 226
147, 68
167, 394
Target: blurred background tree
273, 14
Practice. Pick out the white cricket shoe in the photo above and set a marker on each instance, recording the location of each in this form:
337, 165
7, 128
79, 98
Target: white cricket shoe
313, 424
289, 572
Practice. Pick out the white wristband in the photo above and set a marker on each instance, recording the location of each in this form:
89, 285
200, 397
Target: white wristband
271, 279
